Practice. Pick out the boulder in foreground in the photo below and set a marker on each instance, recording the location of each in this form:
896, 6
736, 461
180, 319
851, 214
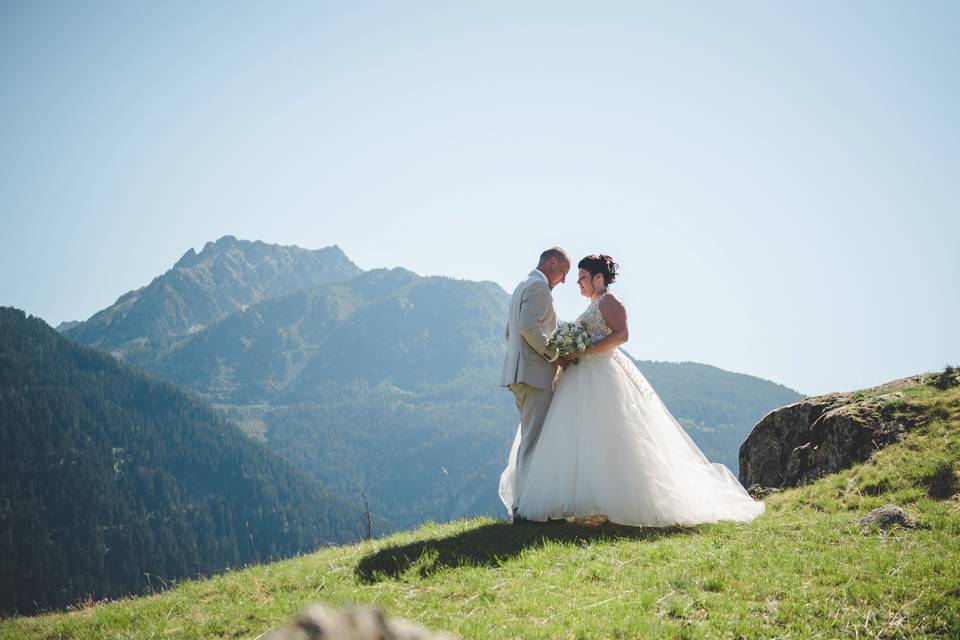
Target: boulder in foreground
317, 622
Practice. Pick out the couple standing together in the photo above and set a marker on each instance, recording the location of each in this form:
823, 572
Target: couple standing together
595, 441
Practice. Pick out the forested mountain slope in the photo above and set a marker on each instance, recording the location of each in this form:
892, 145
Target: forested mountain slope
111, 475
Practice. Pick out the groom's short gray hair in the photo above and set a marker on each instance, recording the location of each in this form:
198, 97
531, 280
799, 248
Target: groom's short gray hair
555, 252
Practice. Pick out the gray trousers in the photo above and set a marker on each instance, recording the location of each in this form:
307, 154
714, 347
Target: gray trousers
532, 402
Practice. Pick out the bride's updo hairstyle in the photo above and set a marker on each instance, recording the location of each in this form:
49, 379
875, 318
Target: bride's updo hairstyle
600, 264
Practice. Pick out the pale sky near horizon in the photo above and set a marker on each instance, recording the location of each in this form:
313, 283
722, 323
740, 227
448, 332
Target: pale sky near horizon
779, 183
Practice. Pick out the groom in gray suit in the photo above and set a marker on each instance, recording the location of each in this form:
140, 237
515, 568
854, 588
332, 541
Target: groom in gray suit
530, 368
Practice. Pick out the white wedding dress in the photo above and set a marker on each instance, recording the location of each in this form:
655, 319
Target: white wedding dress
610, 448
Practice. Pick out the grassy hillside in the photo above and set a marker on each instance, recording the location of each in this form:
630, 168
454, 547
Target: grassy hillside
804, 569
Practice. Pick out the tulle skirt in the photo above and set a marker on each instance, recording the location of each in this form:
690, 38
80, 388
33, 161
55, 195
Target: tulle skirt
610, 448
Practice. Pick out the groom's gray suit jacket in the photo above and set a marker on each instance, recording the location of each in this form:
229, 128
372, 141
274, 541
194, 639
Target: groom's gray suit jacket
531, 321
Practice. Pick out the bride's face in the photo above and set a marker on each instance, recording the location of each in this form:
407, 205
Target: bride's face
588, 284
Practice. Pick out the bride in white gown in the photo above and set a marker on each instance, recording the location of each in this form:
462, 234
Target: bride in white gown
609, 448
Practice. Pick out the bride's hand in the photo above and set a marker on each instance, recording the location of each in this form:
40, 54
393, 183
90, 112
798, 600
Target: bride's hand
569, 359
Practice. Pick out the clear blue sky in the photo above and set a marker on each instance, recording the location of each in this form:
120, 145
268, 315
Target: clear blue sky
779, 182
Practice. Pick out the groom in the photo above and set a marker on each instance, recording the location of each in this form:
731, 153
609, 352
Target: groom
531, 367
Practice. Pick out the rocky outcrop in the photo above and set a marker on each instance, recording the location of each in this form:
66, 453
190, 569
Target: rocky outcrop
804, 441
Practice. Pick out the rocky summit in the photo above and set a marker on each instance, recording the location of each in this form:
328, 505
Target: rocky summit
817, 436
201, 289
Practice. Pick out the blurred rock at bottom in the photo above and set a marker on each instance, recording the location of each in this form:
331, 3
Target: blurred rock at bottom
317, 622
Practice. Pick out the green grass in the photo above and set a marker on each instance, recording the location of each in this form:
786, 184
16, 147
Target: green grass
805, 569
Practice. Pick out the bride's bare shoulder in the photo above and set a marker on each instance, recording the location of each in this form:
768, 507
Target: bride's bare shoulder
612, 302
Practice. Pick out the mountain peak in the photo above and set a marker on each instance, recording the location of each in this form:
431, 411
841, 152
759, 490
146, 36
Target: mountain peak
66, 325
224, 242
186, 259
226, 276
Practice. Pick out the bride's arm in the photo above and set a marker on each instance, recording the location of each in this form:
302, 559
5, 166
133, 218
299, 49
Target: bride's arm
615, 315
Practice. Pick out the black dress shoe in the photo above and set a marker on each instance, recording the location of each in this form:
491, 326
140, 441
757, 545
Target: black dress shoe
518, 519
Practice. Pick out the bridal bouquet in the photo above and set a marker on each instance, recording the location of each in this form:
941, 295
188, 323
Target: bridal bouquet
569, 338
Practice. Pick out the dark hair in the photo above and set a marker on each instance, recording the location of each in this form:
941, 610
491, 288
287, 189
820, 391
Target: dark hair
600, 264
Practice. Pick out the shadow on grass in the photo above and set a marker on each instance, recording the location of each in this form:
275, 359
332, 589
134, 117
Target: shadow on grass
491, 544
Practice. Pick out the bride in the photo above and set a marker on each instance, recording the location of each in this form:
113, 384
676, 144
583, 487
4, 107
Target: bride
609, 448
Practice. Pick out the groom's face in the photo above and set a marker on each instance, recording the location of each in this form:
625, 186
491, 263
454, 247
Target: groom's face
558, 272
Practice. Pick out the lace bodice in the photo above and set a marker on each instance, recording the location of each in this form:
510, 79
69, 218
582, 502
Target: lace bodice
593, 319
